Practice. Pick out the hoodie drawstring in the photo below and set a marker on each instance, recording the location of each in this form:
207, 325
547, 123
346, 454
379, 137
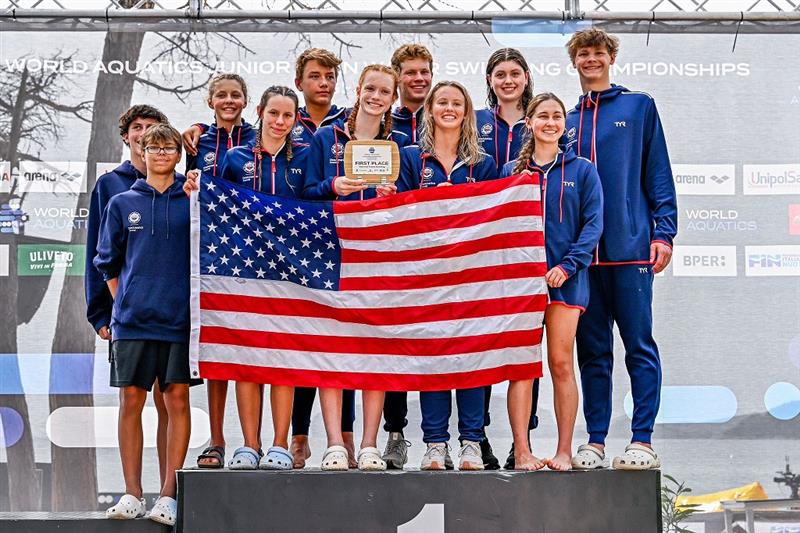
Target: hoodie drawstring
593, 148
561, 198
153, 214
216, 154
168, 197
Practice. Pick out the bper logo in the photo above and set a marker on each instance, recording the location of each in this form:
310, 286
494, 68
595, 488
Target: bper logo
713, 261
704, 260
209, 157
134, 217
571, 133
249, 167
486, 129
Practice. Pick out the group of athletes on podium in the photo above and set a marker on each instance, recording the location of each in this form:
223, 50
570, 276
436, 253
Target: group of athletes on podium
610, 217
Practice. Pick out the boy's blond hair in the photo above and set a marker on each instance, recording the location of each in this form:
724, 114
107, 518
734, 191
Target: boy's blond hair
410, 51
321, 56
592, 37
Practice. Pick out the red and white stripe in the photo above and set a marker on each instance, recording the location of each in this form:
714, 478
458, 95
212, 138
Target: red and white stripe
440, 288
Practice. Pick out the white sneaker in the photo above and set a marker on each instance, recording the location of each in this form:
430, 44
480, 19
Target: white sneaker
435, 457
127, 508
470, 456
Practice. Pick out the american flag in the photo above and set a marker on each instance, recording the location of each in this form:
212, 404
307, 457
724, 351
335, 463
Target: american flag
441, 288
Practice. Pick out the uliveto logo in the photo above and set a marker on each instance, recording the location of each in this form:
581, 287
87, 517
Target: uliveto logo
772, 260
711, 261
771, 179
705, 179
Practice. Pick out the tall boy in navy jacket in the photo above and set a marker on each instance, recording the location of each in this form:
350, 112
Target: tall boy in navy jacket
620, 131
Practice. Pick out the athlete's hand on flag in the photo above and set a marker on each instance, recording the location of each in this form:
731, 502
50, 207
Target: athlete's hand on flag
660, 256
190, 139
386, 190
555, 277
191, 181
343, 186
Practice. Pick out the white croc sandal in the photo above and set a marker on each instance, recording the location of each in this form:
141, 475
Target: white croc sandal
335, 458
637, 457
589, 457
165, 511
127, 508
369, 459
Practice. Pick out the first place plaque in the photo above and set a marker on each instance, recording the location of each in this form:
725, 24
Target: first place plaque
376, 162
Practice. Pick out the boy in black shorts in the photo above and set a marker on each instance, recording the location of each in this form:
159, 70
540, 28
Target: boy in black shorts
150, 318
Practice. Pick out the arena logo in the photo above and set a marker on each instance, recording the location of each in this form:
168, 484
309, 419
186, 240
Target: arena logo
63, 177
717, 220
44, 259
777, 260
704, 261
705, 179
794, 219
771, 179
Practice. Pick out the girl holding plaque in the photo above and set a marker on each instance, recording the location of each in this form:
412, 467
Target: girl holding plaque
448, 154
572, 199
370, 119
275, 165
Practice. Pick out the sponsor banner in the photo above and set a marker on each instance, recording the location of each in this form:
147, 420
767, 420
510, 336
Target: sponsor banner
705, 179
771, 179
12, 217
6, 179
60, 177
794, 219
105, 168
706, 261
778, 260
43, 259
4, 259
716, 220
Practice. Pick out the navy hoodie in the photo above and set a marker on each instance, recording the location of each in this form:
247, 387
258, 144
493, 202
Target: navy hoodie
98, 299
326, 163
620, 131
408, 122
499, 139
214, 144
573, 210
419, 170
305, 128
144, 242
267, 173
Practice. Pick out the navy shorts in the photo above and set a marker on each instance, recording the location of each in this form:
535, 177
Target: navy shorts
138, 363
574, 292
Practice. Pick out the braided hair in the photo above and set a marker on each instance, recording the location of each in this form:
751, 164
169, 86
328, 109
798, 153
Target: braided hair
526, 152
387, 123
275, 90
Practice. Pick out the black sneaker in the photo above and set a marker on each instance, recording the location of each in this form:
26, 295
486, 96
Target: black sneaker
490, 462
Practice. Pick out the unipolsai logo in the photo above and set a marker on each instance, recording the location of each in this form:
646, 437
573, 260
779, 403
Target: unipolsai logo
771, 179
63, 177
705, 179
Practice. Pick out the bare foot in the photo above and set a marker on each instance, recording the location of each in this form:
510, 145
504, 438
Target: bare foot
300, 451
527, 461
349, 443
561, 462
